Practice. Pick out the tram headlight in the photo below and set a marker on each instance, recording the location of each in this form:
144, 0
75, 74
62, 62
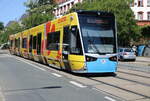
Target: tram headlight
88, 58
113, 58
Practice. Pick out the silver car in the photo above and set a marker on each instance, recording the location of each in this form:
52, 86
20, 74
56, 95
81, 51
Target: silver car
126, 54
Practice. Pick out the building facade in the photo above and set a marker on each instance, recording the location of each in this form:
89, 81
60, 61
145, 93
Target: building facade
64, 6
141, 9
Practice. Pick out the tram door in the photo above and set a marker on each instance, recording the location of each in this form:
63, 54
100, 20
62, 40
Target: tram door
65, 52
39, 36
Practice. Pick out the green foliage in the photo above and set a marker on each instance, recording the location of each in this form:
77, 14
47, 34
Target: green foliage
1, 26
45, 2
145, 30
11, 29
126, 24
35, 19
37, 3
39, 12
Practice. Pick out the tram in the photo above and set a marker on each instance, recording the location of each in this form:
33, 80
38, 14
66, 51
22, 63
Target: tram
80, 42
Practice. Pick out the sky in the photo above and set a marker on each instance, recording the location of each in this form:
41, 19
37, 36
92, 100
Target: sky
11, 10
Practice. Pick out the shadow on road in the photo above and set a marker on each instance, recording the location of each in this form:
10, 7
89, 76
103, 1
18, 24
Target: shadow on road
17, 90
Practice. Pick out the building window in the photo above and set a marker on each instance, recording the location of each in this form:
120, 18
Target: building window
64, 8
72, 3
148, 3
61, 10
140, 3
140, 15
132, 4
57, 11
68, 6
148, 15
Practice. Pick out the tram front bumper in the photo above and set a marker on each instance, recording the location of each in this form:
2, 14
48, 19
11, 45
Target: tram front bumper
101, 66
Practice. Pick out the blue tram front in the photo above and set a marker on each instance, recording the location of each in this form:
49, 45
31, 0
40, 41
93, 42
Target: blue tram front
99, 41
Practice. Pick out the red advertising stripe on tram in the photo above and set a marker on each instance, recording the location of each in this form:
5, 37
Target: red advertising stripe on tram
48, 52
34, 51
53, 28
48, 25
59, 54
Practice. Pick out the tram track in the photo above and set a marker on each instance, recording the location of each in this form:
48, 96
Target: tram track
134, 74
125, 74
134, 81
121, 88
131, 82
134, 68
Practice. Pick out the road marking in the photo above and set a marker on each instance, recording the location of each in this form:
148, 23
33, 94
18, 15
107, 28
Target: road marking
30, 64
55, 74
77, 84
2, 97
109, 98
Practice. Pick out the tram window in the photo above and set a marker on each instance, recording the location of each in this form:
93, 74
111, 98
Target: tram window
34, 42
11, 43
16, 42
53, 40
75, 43
24, 43
39, 36
30, 43
19, 42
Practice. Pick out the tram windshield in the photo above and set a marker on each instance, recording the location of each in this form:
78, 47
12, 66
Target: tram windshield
98, 34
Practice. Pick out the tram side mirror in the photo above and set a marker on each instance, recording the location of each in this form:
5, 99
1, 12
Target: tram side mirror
73, 29
65, 48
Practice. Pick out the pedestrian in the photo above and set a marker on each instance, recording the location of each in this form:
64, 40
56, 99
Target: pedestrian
134, 48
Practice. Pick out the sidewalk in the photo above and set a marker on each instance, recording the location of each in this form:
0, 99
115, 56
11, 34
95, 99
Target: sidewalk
4, 51
141, 64
143, 59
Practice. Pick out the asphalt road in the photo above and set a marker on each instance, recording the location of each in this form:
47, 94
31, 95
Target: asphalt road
23, 81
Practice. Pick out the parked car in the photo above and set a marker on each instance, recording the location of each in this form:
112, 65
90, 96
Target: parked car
4, 46
126, 54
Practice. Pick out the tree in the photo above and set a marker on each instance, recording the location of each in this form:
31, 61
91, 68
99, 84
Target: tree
11, 29
145, 36
1, 26
35, 19
126, 24
39, 11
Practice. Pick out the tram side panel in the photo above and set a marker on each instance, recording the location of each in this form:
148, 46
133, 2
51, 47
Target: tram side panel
52, 53
35, 43
58, 38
